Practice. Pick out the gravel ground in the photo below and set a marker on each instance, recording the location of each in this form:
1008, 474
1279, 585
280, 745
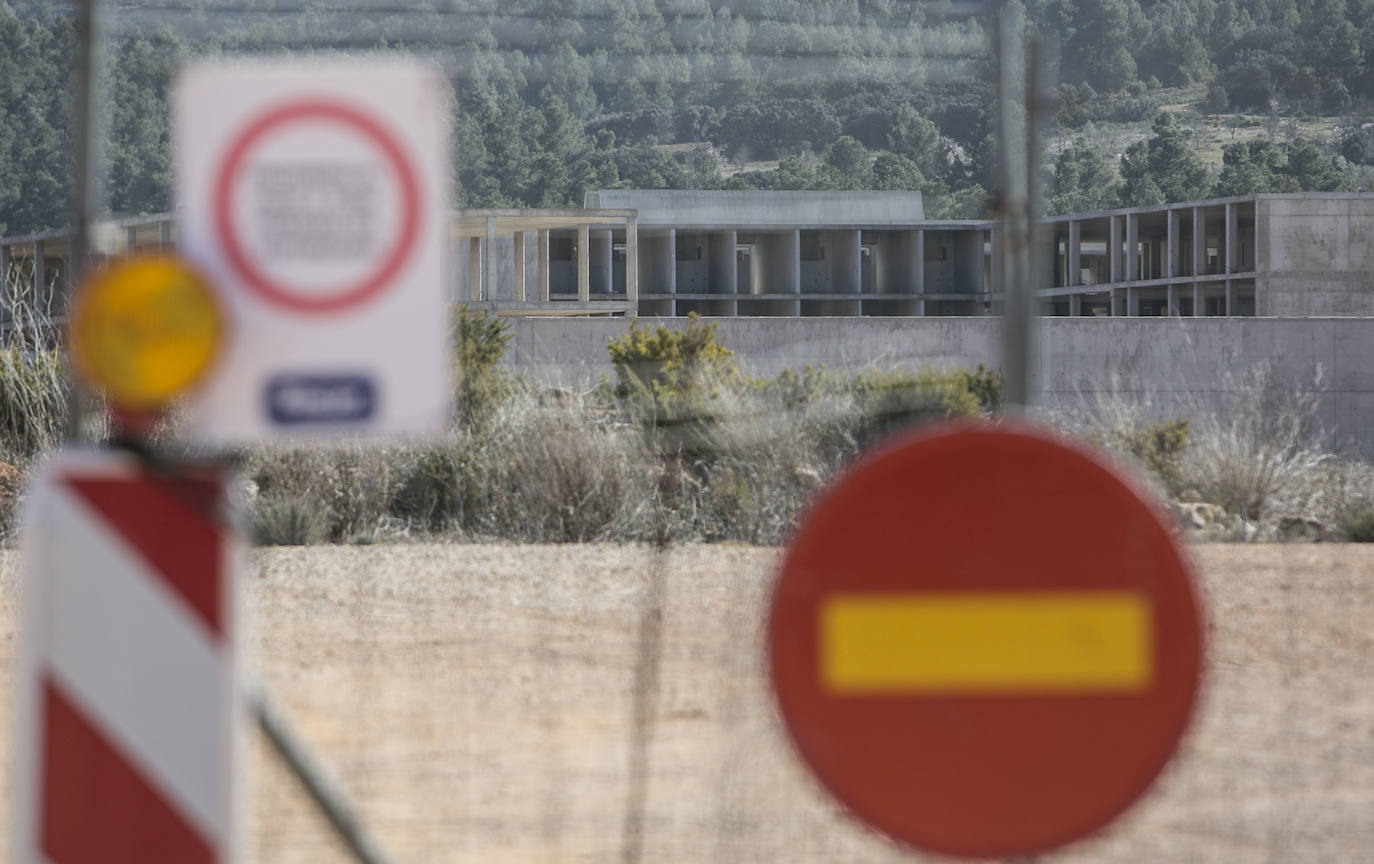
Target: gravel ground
479, 703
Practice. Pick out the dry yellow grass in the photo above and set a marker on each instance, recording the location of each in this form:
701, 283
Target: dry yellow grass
478, 702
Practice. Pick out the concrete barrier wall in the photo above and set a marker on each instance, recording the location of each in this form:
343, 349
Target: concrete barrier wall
1171, 366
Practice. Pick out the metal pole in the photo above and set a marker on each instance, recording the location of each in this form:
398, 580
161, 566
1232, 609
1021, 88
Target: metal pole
321, 789
1015, 210
85, 188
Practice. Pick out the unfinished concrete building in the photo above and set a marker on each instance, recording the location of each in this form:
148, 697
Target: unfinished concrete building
801, 254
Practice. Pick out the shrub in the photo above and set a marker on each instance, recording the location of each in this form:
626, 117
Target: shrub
1359, 527
480, 341
1158, 449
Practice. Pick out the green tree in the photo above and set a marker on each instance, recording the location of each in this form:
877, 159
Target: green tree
1163, 167
1083, 180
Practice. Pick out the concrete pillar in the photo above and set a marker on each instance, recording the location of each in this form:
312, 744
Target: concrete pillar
1114, 250
1171, 250
164, 233
1075, 262
40, 279
489, 272
475, 269
1075, 305
724, 275
1232, 261
1199, 242
131, 240
6, 295
541, 268
601, 278
1132, 247
1173, 301
1198, 310
999, 275
632, 263
584, 281
1230, 297
1132, 302
519, 253
1118, 302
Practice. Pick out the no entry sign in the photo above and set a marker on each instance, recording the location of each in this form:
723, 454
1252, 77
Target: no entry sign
313, 194
984, 642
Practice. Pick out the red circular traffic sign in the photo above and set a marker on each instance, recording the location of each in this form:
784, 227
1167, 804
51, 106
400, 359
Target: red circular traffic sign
984, 642
226, 184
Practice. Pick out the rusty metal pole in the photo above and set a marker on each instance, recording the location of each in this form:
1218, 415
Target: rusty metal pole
1014, 206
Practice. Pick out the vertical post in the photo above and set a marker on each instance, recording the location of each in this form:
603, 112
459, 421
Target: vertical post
1114, 250
1132, 247
85, 201
1172, 311
584, 272
130, 240
1230, 298
1075, 305
1230, 243
489, 260
1198, 310
1171, 256
542, 265
164, 234
1075, 257
39, 297
918, 272
6, 295
632, 263
519, 239
475, 269
1199, 242
1020, 160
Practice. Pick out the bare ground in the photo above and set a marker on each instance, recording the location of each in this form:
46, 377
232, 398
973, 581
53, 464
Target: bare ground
478, 701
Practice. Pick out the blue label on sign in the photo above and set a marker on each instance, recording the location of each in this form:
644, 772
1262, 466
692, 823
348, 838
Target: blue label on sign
293, 399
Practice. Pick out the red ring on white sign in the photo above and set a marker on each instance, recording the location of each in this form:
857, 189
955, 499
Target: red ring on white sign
285, 295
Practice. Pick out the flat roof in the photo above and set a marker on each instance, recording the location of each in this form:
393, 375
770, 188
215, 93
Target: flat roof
744, 209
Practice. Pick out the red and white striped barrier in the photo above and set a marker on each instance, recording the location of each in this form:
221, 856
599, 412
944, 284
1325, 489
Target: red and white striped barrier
127, 691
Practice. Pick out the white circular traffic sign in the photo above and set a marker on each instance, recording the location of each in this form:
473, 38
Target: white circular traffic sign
316, 206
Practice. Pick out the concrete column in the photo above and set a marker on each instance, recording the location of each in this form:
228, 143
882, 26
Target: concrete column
1199, 242
1132, 302
917, 259
584, 281
1230, 297
40, 279
1232, 260
1075, 261
131, 240
519, 252
600, 261
1198, 310
6, 295
1132, 247
1173, 301
999, 276
475, 269
632, 263
164, 233
541, 268
1075, 305
1114, 250
724, 275
1171, 250
1118, 302
489, 272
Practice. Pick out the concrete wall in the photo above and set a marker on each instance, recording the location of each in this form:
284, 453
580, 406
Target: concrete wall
1173, 367
1316, 256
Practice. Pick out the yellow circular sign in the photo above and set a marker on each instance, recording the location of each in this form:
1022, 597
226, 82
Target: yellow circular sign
145, 331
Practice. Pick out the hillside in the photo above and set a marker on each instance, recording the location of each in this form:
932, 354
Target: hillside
554, 98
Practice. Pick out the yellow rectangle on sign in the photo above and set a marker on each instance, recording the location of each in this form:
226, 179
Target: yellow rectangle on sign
983, 642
